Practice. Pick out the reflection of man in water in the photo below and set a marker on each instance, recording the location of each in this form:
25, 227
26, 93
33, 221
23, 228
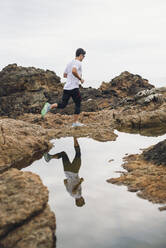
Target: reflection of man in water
72, 181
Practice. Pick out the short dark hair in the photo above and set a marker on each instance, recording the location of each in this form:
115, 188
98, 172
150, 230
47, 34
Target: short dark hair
80, 51
79, 201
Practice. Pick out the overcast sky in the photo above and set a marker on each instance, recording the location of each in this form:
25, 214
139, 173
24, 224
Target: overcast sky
118, 35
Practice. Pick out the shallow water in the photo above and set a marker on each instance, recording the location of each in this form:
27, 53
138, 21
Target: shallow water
112, 217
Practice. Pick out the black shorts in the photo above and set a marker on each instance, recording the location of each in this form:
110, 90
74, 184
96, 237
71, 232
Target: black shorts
75, 94
73, 166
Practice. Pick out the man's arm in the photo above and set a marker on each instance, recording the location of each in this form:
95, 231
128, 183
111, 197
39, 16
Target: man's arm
75, 73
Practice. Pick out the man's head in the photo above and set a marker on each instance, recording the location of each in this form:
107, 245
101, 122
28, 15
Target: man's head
80, 201
80, 54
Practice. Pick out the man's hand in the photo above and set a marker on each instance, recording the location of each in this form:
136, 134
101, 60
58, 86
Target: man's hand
82, 81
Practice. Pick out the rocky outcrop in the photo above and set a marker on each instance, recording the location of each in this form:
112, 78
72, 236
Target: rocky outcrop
156, 154
36, 232
97, 125
126, 84
21, 143
146, 110
140, 118
26, 89
144, 177
26, 220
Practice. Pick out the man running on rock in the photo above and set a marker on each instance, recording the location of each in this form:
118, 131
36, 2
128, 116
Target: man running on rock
73, 73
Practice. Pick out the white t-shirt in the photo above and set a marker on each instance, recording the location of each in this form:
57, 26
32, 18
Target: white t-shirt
72, 180
73, 82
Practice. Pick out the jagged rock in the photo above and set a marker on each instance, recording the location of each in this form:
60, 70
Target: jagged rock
23, 89
21, 143
146, 96
26, 89
144, 93
22, 195
143, 176
141, 117
38, 231
156, 154
15, 78
124, 85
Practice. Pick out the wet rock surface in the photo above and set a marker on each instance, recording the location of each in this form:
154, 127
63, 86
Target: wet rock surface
156, 154
134, 117
97, 125
26, 220
21, 143
143, 177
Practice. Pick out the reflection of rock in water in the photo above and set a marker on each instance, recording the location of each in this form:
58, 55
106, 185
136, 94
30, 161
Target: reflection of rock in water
156, 154
26, 220
144, 176
150, 132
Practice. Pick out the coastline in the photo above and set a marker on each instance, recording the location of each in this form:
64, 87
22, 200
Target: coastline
127, 103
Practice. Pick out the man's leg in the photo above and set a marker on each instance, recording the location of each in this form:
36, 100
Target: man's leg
65, 160
48, 106
64, 102
76, 117
48, 157
77, 100
76, 164
63, 155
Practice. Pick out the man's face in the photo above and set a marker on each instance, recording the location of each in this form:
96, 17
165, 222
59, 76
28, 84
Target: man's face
82, 56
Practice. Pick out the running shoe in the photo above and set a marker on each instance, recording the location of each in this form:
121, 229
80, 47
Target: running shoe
77, 124
47, 157
45, 109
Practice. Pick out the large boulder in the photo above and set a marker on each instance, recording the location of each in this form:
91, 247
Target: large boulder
14, 79
26, 220
21, 143
126, 84
38, 231
25, 89
138, 118
21, 195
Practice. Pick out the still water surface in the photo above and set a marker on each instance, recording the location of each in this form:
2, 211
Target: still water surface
112, 217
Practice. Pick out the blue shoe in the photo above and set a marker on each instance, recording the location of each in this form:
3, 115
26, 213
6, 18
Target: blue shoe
77, 124
47, 157
45, 109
